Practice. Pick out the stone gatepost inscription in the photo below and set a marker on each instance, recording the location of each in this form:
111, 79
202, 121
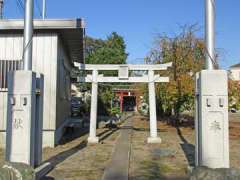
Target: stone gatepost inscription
215, 134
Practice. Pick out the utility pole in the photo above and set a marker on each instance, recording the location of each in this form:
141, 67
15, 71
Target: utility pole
22, 88
210, 33
44, 9
28, 35
1, 9
211, 104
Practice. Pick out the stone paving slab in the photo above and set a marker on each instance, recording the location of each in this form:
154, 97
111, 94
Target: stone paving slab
119, 165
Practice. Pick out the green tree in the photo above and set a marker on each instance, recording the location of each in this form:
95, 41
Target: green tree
109, 51
112, 50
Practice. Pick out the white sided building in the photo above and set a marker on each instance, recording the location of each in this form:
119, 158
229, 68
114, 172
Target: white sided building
57, 44
234, 72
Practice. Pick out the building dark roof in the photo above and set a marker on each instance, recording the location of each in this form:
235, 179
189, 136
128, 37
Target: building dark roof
72, 32
235, 66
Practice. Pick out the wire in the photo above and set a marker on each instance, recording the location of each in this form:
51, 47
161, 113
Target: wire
211, 58
20, 6
213, 4
28, 44
38, 8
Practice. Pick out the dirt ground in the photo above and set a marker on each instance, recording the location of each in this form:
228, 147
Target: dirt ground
171, 158
75, 160
159, 161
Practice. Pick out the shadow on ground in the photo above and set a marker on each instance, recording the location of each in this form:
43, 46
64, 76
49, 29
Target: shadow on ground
188, 149
147, 130
55, 160
69, 137
72, 134
186, 121
105, 134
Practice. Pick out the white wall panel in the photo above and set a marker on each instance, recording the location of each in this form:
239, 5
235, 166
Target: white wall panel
2, 47
44, 61
3, 110
11, 47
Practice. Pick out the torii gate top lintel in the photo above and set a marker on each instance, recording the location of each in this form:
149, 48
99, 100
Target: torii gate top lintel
139, 67
123, 72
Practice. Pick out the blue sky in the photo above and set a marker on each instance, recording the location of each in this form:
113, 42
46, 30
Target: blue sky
138, 21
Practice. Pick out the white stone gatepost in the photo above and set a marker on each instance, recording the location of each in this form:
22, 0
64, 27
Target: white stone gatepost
152, 109
93, 116
24, 125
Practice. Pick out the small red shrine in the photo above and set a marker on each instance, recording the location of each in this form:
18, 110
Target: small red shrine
129, 99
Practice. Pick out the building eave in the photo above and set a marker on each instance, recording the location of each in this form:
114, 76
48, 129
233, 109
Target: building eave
236, 66
72, 32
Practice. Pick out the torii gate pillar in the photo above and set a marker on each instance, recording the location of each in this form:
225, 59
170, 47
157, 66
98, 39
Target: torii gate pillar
93, 117
152, 110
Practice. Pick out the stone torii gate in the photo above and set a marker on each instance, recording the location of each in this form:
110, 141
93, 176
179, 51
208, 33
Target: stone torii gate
123, 77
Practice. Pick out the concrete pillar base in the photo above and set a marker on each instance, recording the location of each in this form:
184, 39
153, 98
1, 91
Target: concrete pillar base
93, 140
154, 140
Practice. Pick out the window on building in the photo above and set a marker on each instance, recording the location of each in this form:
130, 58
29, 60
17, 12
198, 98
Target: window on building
5, 67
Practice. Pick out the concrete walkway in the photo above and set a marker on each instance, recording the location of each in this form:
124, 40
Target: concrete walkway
119, 165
